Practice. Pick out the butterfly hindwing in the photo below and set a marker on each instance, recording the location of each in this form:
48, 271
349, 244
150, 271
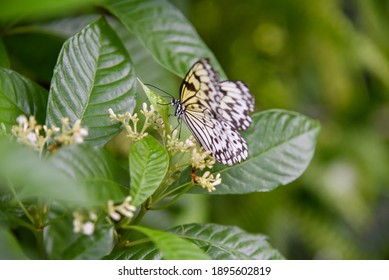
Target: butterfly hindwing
236, 104
215, 112
223, 141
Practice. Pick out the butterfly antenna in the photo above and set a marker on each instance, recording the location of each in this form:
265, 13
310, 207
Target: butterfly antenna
150, 85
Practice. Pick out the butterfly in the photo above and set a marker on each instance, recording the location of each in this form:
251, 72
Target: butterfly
215, 111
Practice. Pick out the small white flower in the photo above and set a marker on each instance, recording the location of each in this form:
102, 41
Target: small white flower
32, 138
208, 181
218, 180
111, 113
144, 107
22, 120
115, 216
55, 129
125, 209
77, 222
77, 226
83, 132
80, 135
134, 118
78, 139
88, 228
146, 112
111, 211
189, 142
92, 216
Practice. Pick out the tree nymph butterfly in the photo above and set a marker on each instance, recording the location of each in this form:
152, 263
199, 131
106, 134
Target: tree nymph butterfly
215, 112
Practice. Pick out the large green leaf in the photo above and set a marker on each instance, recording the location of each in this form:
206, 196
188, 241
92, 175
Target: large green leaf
281, 145
9, 247
170, 246
93, 74
66, 27
143, 61
228, 242
148, 162
20, 96
146, 251
59, 234
164, 31
218, 242
17, 9
92, 247
34, 177
95, 167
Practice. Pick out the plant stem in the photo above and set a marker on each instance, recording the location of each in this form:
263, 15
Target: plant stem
40, 244
138, 218
39, 226
143, 210
174, 199
21, 205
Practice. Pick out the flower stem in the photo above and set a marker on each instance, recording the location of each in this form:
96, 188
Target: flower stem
174, 199
21, 205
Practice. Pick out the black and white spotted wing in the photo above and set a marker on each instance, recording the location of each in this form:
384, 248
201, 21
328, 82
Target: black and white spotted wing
215, 112
237, 104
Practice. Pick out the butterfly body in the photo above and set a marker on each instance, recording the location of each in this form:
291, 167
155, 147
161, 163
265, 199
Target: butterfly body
215, 112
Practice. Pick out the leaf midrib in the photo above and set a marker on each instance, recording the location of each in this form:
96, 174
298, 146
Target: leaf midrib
264, 152
95, 70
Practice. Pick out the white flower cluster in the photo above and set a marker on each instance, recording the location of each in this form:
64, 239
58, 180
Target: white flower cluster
185, 152
133, 132
123, 209
29, 132
199, 159
83, 225
209, 181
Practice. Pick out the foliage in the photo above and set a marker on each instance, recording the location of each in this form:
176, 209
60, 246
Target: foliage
327, 59
67, 190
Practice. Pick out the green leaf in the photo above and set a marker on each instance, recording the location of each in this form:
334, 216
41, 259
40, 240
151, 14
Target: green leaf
93, 74
65, 27
4, 60
59, 233
164, 31
217, 241
92, 247
228, 242
95, 167
173, 247
20, 96
148, 162
160, 104
9, 246
17, 9
143, 60
138, 252
281, 145
34, 177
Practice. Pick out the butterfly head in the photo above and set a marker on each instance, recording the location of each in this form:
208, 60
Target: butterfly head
179, 107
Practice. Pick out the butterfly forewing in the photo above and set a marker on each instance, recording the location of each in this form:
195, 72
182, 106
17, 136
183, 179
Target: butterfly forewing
200, 82
215, 112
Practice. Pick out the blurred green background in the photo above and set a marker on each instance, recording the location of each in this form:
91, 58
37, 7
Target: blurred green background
328, 59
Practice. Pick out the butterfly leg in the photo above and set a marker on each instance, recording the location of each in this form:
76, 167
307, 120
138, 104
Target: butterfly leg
178, 125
